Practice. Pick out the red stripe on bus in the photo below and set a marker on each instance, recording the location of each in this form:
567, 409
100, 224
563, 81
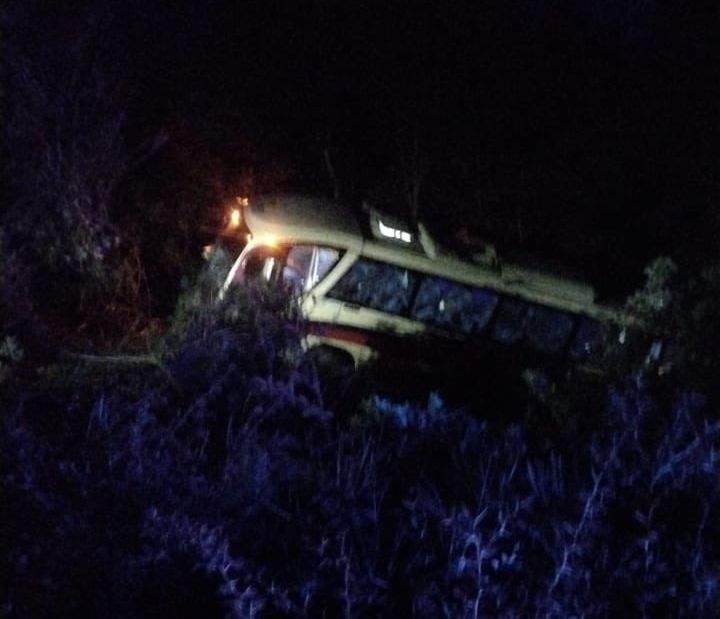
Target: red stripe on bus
345, 334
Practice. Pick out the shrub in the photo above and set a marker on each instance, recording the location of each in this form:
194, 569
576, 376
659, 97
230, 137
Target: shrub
235, 493
65, 151
681, 309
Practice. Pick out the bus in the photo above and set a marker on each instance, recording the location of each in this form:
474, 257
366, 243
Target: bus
377, 287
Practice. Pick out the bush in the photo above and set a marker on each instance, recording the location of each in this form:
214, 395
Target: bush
66, 148
682, 310
231, 491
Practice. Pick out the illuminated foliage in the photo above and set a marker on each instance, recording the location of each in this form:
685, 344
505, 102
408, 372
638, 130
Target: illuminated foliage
232, 488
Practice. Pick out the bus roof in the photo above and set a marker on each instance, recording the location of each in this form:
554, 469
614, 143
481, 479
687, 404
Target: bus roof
313, 220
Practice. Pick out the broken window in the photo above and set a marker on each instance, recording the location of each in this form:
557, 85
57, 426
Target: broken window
377, 285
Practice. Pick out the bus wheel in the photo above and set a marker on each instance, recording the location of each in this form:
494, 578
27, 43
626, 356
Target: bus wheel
335, 370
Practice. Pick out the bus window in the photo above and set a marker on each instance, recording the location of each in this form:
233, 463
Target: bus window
325, 259
548, 329
261, 263
377, 285
297, 267
588, 339
510, 321
306, 265
449, 305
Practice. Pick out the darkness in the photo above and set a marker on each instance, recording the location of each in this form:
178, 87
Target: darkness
595, 127
583, 134
167, 453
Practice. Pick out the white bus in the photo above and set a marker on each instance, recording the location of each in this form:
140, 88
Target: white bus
363, 289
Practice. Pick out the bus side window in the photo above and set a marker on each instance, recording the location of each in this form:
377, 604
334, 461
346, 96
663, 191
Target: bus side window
377, 285
509, 322
429, 300
449, 305
588, 339
484, 304
548, 329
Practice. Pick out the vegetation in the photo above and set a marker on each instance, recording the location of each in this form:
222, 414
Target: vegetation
165, 455
223, 486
